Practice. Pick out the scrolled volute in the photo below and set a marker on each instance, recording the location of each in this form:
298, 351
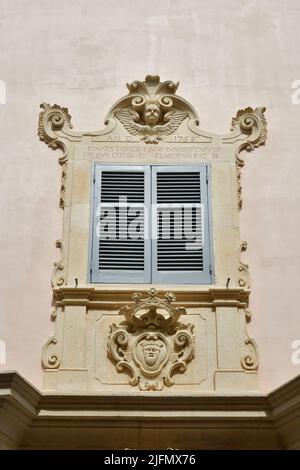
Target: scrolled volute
50, 354
250, 359
252, 123
52, 120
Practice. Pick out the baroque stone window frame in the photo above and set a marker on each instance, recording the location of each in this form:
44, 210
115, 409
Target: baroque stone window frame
174, 138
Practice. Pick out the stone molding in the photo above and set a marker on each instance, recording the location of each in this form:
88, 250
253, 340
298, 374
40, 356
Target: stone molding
111, 296
38, 417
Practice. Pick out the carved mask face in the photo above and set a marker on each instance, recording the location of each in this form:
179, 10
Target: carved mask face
151, 114
151, 353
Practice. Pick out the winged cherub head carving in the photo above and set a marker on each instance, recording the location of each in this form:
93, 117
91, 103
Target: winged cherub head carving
152, 109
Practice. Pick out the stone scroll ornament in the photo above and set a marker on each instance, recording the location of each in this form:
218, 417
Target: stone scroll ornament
153, 110
151, 345
251, 123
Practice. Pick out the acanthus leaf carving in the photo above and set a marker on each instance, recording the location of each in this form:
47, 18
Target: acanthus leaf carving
52, 119
251, 123
152, 109
151, 344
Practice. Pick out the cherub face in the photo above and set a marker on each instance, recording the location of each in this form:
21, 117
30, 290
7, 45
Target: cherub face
151, 114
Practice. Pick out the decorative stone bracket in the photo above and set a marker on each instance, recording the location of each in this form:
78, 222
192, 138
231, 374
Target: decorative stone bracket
151, 345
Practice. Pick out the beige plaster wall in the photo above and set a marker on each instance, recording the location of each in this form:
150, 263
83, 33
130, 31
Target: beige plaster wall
227, 55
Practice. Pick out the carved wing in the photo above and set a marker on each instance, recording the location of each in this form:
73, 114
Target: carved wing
128, 118
174, 119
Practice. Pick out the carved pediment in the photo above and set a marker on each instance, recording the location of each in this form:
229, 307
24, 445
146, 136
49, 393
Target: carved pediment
152, 109
151, 112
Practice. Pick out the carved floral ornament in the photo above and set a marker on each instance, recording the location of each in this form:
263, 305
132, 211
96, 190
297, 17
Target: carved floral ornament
151, 345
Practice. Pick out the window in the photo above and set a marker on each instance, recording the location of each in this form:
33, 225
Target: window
151, 224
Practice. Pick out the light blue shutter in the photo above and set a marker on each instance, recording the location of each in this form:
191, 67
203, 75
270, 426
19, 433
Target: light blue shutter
121, 202
181, 250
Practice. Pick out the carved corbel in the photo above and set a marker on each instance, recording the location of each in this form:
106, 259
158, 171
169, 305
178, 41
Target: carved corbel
251, 124
151, 345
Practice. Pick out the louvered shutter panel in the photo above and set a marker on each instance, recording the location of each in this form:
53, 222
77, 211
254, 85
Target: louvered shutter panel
120, 250
181, 250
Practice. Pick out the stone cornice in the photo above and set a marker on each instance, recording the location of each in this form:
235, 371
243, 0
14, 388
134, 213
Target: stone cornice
110, 297
285, 401
277, 413
15, 389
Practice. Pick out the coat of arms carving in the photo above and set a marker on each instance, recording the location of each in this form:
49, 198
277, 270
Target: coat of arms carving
151, 344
